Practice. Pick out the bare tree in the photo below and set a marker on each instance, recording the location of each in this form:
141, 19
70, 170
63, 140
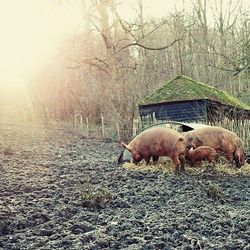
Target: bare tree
114, 62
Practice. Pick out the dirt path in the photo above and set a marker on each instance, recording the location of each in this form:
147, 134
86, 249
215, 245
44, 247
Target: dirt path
59, 190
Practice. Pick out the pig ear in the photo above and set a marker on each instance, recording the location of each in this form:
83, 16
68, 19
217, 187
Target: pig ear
180, 139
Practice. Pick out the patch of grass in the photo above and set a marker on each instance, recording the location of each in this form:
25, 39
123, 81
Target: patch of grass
99, 197
213, 191
92, 196
8, 150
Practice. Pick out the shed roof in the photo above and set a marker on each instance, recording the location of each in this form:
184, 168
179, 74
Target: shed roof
183, 88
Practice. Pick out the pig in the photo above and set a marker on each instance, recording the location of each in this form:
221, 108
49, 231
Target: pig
222, 140
158, 141
201, 153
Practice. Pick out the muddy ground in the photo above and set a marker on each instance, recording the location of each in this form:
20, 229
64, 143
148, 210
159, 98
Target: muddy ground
60, 190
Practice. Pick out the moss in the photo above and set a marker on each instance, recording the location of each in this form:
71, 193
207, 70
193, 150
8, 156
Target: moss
183, 88
96, 198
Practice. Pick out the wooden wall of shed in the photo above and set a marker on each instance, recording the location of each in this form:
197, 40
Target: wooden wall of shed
185, 111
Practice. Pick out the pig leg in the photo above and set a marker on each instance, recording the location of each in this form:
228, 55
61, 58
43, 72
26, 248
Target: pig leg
237, 161
211, 160
229, 152
177, 163
135, 161
229, 156
182, 161
147, 159
192, 164
155, 159
211, 165
236, 158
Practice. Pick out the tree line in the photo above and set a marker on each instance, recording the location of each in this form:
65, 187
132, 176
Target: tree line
113, 63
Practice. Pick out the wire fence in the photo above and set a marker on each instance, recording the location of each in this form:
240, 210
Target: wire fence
84, 126
116, 132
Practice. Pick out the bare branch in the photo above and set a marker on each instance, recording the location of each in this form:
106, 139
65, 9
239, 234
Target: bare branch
238, 71
130, 67
150, 48
100, 60
90, 61
125, 26
224, 69
74, 67
153, 30
97, 66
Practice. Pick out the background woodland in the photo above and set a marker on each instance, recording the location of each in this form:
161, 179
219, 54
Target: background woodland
109, 66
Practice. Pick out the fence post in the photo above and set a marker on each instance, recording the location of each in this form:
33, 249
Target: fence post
102, 125
154, 119
134, 127
81, 122
75, 121
87, 127
118, 132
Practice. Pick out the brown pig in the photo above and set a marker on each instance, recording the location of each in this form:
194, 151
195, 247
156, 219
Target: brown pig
201, 153
222, 140
158, 141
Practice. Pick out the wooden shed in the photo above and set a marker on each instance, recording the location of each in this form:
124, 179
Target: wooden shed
185, 100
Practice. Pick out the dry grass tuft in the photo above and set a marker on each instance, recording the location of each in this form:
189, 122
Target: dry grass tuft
8, 150
227, 169
164, 165
164, 168
213, 191
167, 168
96, 198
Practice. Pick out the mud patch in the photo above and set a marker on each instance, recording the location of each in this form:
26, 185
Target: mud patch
62, 191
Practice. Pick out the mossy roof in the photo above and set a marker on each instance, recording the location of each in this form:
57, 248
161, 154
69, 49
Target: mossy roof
183, 88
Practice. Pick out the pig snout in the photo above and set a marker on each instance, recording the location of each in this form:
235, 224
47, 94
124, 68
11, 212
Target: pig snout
193, 142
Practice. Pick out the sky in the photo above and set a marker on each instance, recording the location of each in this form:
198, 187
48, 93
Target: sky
160, 8
33, 30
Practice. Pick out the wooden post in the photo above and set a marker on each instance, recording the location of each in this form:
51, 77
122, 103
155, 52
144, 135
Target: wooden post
75, 121
87, 127
118, 137
81, 122
102, 125
154, 119
139, 124
147, 117
134, 127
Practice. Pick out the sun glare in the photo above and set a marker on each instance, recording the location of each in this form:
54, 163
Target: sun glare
31, 32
